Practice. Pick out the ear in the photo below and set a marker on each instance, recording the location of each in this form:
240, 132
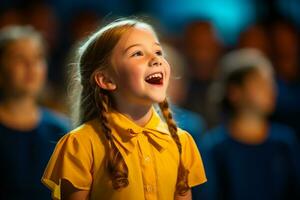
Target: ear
104, 81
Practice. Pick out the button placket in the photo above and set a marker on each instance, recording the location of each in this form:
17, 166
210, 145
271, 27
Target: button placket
148, 171
148, 188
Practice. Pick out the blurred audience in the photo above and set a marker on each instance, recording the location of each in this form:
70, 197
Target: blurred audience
202, 50
28, 132
255, 36
43, 18
11, 16
247, 156
285, 56
82, 24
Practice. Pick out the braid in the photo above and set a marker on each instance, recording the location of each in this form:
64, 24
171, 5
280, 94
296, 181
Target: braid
116, 165
182, 180
164, 106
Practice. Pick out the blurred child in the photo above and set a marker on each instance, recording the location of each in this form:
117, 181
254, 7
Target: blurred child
122, 149
27, 131
255, 36
202, 50
249, 157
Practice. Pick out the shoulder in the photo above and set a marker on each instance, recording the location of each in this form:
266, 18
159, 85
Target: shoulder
282, 133
87, 131
183, 134
85, 137
191, 159
185, 137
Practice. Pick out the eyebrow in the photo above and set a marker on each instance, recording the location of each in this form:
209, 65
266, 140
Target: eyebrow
133, 45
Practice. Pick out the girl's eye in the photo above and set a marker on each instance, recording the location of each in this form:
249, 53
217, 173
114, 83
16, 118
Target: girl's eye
138, 53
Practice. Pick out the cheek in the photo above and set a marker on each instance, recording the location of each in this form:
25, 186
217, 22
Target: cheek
129, 78
263, 97
268, 100
167, 70
40, 72
168, 73
15, 73
126, 81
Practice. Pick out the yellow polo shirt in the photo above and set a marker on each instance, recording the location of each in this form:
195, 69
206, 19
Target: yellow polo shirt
150, 153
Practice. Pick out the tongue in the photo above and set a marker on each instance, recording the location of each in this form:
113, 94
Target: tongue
155, 80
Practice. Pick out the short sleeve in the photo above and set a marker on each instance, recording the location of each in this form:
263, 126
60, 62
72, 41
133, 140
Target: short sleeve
192, 160
71, 160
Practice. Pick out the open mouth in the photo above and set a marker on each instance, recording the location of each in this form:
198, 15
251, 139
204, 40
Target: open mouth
155, 78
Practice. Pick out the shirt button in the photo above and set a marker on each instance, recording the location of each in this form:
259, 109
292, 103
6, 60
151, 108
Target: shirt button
148, 188
147, 159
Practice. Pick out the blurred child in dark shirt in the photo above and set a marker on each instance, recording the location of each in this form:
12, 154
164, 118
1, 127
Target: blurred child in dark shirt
248, 157
28, 132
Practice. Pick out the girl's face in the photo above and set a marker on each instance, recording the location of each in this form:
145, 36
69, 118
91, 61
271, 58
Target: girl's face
140, 71
23, 68
257, 93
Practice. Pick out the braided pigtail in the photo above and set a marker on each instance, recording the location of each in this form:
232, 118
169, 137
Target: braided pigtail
182, 179
117, 167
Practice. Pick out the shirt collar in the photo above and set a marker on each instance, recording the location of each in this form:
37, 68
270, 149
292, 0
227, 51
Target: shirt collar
125, 131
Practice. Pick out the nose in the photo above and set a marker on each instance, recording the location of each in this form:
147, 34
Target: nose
155, 61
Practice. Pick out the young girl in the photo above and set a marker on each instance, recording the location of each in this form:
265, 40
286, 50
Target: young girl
122, 149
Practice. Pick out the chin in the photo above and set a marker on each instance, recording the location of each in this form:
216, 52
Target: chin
154, 98
159, 99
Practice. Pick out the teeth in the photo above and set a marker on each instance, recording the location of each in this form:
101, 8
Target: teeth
156, 75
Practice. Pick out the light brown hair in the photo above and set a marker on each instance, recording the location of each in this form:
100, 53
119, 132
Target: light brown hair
94, 102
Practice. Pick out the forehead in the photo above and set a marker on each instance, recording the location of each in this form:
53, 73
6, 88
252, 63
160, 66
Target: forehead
137, 35
262, 73
24, 43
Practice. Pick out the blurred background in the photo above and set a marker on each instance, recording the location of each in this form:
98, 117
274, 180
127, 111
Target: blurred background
196, 35
200, 30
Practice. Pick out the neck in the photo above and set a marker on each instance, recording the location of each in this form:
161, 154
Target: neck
140, 114
20, 114
16, 106
249, 128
